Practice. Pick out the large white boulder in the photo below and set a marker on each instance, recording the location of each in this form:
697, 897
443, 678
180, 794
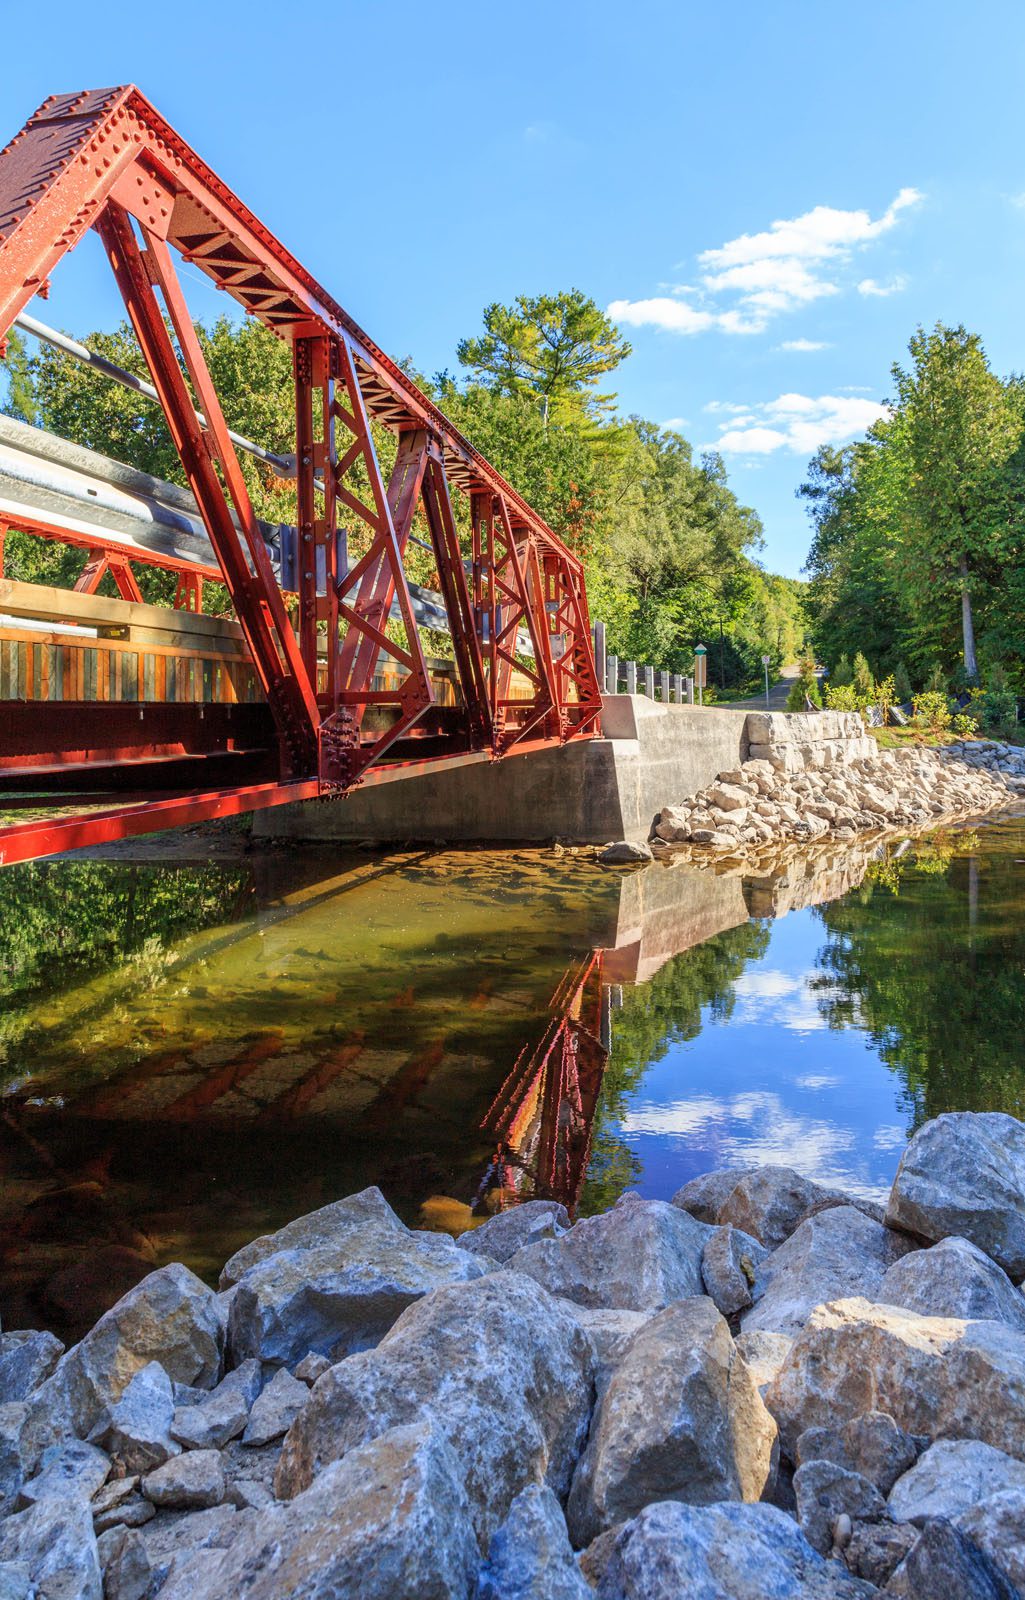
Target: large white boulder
964, 1174
831, 1255
502, 1369
680, 1419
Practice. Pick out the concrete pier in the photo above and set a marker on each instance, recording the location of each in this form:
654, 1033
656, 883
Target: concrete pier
650, 755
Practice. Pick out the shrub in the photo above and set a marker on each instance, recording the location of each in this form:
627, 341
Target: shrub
864, 684
937, 682
997, 705
804, 688
932, 711
964, 725
902, 689
841, 675
841, 697
886, 694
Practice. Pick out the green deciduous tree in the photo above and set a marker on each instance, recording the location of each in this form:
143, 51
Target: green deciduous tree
553, 347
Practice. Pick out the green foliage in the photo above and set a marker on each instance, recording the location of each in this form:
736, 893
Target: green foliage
842, 674
839, 697
937, 681
862, 680
805, 687
998, 704
553, 348
932, 711
902, 690
919, 540
963, 724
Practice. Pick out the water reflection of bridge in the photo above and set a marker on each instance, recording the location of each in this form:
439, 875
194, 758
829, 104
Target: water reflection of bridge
437, 1023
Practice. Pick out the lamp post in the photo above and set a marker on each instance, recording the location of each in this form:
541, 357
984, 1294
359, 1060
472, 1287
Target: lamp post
765, 664
700, 653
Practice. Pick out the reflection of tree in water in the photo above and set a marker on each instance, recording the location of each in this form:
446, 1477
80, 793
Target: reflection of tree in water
927, 957
62, 922
655, 1015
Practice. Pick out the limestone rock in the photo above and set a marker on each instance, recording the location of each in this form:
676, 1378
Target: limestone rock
954, 1279
830, 1255
127, 1574
680, 1419
728, 1264
15, 1583
768, 1202
610, 1333
170, 1318
502, 1235
964, 1174
209, 1426
825, 1492
877, 1549
944, 1562
332, 1224
640, 1256
996, 1526
936, 1376
54, 1539
871, 1445
339, 1297
246, 1379
719, 1552
12, 1455
390, 1522
27, 1358
191, 1482
75, 1468
500, 1367
951, 1476
132, 1512
763, 1354
136, 1429
276, 1409
624, 853
114, 1493
312, 1367
530, 1557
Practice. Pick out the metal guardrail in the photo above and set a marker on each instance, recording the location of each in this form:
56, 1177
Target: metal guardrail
632, 677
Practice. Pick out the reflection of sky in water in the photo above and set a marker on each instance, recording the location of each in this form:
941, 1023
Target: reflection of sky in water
773, 1084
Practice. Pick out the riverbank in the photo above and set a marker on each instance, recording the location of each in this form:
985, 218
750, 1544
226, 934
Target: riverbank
811, 776
763, 1388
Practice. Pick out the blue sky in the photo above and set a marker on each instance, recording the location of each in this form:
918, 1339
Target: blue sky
770, 196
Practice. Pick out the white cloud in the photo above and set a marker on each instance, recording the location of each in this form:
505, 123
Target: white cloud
803, 344
872, 286
789, 264
799, 423
676, 424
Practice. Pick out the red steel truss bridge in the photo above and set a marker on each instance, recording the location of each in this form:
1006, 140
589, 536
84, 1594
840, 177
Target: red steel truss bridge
118, 718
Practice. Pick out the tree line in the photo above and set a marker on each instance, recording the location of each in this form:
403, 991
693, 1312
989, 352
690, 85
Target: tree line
917, 561
670, 552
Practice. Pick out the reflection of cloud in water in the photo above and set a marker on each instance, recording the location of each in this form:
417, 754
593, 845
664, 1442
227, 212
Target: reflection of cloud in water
820, 1080
889, 1138
757, 1129
783, 998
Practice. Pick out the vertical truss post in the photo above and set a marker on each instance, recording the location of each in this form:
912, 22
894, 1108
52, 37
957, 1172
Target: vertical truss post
448, 555
317, 554
255, 594
104, 561
188, 595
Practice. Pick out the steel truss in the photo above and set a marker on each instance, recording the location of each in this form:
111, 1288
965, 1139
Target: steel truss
104, 159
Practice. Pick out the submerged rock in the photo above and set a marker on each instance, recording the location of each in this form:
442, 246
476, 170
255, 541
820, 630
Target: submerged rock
502, 1370
640, 1256
936, 1376
720, 1552
680, 1419
389, 1522
964, 1174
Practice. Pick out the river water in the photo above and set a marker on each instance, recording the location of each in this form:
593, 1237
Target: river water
194, 1053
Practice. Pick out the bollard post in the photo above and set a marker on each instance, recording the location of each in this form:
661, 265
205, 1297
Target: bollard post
690, 690
611, 674
678, 688
649, 682
631, 677
663, 687
599, 651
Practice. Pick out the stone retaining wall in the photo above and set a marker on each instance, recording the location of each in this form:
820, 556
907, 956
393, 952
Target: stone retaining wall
802, 741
